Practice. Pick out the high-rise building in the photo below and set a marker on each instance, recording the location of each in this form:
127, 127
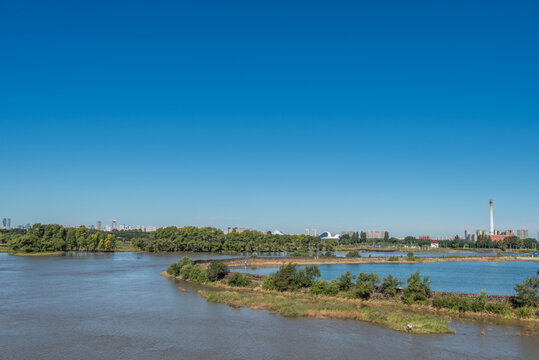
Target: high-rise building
376, 234
99, 225
313, 232
306, 231
522, 233
114, 224
4, 223
9, 223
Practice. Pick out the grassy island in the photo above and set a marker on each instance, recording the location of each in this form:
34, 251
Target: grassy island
297, 292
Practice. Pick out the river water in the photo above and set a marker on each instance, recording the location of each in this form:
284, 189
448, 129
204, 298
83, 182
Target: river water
118, 306
496, 277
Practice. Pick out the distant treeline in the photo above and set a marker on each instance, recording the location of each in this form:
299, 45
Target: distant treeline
211, 239
48, 238
43, 238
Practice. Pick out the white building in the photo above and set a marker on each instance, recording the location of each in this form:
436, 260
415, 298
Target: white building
328, 236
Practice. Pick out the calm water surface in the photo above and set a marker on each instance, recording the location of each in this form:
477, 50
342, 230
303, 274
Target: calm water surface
496, 277
117, 306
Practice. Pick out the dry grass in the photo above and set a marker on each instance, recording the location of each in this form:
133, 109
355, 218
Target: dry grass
395, 316
273, 262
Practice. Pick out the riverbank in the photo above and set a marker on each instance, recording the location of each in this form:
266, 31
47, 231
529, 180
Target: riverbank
391, 315
388, 312
280, 261
425, 317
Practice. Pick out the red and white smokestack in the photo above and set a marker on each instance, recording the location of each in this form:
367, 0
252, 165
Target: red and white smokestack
491, 232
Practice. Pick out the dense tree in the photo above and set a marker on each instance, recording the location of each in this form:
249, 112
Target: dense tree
363, 237
418, 289
46, 238
288, 278
389, 285
210, 239
366, 284
345, 281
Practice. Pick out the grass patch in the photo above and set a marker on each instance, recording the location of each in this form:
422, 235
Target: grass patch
50, 253
396, 316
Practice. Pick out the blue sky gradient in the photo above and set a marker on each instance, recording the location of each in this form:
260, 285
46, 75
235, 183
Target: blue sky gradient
406, 116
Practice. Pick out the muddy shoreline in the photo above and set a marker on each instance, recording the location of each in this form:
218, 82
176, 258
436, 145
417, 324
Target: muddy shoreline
279, 261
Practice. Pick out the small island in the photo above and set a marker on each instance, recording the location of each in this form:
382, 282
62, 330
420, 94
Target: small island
297, 292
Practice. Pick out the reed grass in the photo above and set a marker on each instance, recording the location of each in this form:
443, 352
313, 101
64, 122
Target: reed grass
394, 316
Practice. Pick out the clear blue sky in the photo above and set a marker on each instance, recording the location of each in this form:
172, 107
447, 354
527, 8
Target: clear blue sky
406, 116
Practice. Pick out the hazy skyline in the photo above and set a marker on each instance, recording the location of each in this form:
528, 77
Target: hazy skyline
408, 117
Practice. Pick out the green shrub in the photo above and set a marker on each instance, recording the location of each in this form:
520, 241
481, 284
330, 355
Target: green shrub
319, 287
237, 279
393, 258
304, 278
288, 278
525, 312
389, 286
418, 289
269, 282
480, 301
185, 261
439, 301
364, 290
217, 270
332, 288
345, 281
498, 308
461, 304
284, 277
299, 254
353, 253
410, 257
527, 292
365, 285
328, 254
173, 269
185, 271
197, 274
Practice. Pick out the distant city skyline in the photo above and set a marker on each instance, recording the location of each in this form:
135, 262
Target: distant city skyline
370, 234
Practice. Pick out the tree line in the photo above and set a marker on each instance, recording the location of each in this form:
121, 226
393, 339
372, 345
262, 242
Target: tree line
49, 238
209, 239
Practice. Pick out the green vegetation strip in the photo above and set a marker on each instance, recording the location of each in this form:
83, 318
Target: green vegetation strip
394, 316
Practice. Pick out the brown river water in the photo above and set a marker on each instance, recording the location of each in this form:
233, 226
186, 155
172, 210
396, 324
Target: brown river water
118, 306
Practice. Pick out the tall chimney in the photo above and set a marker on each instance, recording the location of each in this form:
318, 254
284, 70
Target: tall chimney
491, 232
